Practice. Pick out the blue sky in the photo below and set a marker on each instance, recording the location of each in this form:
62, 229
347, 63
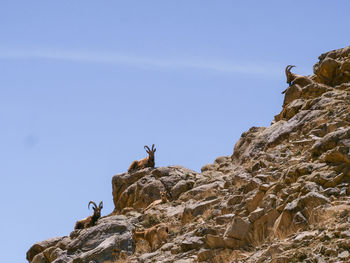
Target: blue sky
84, 85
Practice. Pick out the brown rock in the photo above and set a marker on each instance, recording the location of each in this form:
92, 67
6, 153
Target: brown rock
248, 145
196, 209
141, 188
262, 224
207, 167
309, 201
282, 225
191, 243
201, 192
222, 159
41, 246
39, 258
220, 220
292, 93
235, 199
329, 141
54, 253
181, 187
252, 184
214, 241
205, 254
326, 70
239, 228
256, 214
254, 200
344, 255
340, 154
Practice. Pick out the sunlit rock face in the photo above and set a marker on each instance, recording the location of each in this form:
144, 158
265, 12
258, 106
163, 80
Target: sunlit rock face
283, 195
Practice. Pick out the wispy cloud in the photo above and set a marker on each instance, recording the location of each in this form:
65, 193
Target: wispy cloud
141, 61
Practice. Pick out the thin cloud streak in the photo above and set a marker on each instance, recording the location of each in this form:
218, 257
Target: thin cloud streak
141, 62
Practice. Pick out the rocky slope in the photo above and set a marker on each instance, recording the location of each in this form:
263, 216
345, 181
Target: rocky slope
283, 196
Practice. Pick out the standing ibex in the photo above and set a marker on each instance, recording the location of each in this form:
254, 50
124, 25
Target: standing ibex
91, 220
156, 234
146, 162
295, 79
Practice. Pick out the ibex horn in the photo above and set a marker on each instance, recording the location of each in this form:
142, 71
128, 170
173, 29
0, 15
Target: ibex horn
92, 202
147, 148
288, 68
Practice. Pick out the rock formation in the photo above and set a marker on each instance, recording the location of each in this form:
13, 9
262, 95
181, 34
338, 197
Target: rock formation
283, 195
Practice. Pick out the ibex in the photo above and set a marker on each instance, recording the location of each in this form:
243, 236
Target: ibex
91, 220
146, 162
153, 235
295, 79
163, 199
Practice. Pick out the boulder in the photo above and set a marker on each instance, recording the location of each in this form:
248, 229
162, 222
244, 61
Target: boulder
340, 154
254, 200
141, 188
329, 141
308, 201
181, 187
326, 70
233, 200
224, 219
239, 228
191, 243
248, 145
99, 243
292, 93
41, 246
39, 258
263, 222
197, 209
205, 255
214, 241
282, 226
200, 192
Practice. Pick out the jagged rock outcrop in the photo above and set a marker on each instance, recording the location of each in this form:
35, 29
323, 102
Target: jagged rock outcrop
283, 195
139, 189
101, 243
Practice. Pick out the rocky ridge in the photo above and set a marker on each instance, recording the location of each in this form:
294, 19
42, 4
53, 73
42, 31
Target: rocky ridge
283, 195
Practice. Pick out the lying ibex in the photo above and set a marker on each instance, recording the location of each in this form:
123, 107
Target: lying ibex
295, 79
159, 201
143, 163
91, 220
153, 235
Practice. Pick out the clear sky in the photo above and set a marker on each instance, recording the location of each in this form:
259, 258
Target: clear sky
84, 85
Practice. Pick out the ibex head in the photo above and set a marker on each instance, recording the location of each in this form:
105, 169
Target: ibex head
150, 152
289, 75
97, 209
163, 196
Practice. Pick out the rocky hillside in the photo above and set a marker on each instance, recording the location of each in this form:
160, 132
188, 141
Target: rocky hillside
283, 196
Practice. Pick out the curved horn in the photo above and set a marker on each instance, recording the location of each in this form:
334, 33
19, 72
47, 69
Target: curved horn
147, 148
153, 147
100, 205
288, 68
289, 74
92, 202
